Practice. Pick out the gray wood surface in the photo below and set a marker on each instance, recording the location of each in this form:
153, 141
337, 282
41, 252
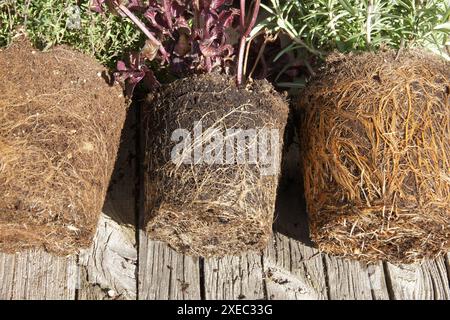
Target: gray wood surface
234, 278
293, 271
292, 267
165, 274
35, 275
429, 281
352, 280
108, 268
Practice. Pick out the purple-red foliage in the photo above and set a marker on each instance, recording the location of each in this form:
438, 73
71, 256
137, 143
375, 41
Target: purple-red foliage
188, 36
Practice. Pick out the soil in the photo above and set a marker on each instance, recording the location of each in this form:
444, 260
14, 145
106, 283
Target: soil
60, 125
376, 156
209, 209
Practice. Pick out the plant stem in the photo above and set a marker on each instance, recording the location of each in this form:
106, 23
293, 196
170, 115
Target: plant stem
168, 14
303, 44
247, 50
144, 29
240, 61
369, 23
267, 39
242, 16
254, 17
196, 6
245, 33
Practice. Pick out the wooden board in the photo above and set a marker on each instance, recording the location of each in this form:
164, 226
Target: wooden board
378, 283
425, 282
352, 280
108, 268
36, 275
293, 268
293, 271
165, 274
234, 278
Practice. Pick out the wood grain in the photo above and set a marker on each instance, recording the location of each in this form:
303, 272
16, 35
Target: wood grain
293, 270
428, 281
293, 267
37, 275
109, 265
234, 278
353, 280
165, 274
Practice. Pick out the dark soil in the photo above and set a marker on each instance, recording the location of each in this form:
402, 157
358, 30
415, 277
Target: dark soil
60, 125
209, 209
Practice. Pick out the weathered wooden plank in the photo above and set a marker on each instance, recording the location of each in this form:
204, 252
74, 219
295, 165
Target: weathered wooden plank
108, 268
7, 263
234, 277
427, 281
165, 274
293, 270
37, 275
447, 264
353, 280
347, 279
377, 279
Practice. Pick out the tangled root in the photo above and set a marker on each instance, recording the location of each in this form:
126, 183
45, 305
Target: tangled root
206, 208
60, 126
376, 156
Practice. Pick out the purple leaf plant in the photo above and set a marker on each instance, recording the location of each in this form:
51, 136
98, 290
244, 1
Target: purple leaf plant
187, 36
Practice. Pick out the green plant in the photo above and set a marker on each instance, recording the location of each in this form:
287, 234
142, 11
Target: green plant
51, 22
321, 26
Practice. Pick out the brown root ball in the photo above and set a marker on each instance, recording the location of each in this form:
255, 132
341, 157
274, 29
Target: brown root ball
203, 207
375, 134
60, 125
